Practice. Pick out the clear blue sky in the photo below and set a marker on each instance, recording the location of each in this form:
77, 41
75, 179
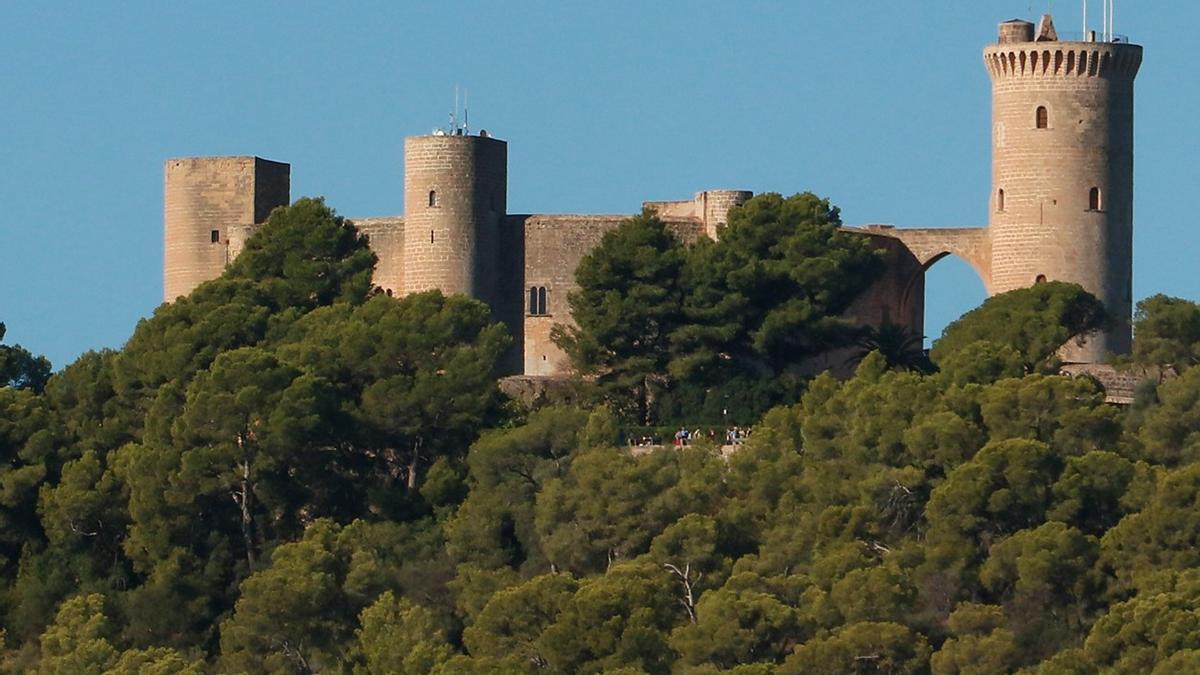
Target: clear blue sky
881, 106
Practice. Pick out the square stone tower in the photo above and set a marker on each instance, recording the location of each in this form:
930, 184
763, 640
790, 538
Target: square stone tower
205, 198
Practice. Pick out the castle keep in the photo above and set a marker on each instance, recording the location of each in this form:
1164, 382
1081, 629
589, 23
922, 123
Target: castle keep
1061, 208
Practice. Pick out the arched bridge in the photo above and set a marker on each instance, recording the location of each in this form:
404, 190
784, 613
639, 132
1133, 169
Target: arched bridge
899, 296
930, 244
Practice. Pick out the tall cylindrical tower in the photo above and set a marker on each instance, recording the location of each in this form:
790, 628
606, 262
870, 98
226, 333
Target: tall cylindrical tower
1062, 169
455, 196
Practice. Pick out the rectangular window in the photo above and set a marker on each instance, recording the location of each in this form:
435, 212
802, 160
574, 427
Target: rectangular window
215, 236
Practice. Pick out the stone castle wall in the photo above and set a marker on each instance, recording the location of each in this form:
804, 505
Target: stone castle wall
554, 245
1061, 209
202, 198
709, 208
386, 237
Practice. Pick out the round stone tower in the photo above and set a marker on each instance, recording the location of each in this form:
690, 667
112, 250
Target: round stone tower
455, 192
1062, 169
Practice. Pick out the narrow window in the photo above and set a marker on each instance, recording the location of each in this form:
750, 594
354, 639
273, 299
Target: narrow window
1043, 117
1094, 199
1041, 279
433, 198
1000, 199
537, 301
215, 236
431, 236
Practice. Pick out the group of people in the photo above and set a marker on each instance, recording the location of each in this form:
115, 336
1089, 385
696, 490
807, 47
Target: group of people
685, 437
736, 436
733, 436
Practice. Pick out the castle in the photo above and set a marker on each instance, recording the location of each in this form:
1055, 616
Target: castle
1061, 208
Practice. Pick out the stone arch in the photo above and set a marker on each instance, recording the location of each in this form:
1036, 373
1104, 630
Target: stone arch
929, 245
949, 287
916, 283
912, 252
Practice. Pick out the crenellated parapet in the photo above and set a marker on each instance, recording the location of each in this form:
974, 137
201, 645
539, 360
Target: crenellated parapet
1062, 59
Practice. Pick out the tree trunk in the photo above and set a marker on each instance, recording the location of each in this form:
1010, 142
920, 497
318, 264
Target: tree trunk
414, 460
688, 599
247, 518
246, 496
647, 401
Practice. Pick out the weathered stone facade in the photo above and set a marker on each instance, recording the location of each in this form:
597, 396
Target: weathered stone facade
203, 199
1062, 170
1061, 209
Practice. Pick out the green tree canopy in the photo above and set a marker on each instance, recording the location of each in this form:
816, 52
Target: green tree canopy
1155, 632
627, 305
307, 256
20, 369
736, 627
1166, 331
1036, 321
770, 290
862, 648
417, 375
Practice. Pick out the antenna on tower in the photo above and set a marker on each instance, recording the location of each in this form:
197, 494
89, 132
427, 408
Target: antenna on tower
459, 126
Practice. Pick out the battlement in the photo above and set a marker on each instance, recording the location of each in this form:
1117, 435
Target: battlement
1018, 53
1063, 59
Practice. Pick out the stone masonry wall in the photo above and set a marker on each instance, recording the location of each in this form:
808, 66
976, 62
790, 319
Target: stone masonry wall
710, 208
553, 246
386, 237
202, 198
455, 191
1043, 224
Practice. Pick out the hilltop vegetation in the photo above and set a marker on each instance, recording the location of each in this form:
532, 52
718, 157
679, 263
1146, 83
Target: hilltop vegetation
289, 472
